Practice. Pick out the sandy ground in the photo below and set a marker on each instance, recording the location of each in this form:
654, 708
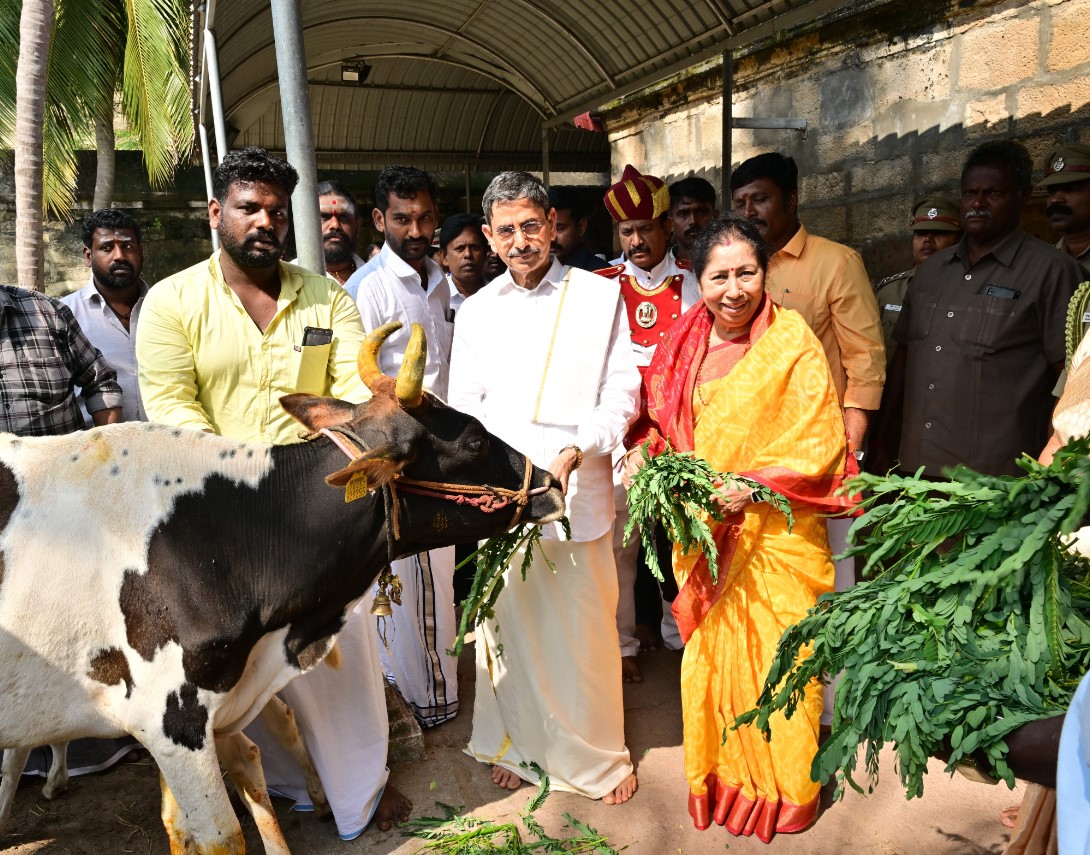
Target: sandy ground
118, 812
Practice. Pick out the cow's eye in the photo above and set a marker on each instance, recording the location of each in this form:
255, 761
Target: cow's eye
475, 445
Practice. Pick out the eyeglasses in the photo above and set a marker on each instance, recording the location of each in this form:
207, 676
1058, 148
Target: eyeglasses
531, 228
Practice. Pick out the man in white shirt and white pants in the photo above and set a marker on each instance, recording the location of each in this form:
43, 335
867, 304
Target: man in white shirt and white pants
403, 284
542, 357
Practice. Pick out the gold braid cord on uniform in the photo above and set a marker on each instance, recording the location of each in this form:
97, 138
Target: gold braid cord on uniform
1076, 310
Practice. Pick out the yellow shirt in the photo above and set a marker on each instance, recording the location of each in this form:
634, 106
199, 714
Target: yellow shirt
827, 284
204, 364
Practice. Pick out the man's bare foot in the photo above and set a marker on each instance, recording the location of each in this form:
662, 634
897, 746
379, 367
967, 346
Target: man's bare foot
647, 637
505, 778
392, 807
624, 791
1009, 816
630, 670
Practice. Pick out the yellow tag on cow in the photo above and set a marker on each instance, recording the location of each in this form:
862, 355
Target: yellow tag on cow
356, 488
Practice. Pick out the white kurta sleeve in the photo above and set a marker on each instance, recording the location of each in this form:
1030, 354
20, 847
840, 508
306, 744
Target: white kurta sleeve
618, 392
466, 390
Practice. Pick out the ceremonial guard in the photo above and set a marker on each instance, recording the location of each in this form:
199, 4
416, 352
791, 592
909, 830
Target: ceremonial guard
657, 288
935, 225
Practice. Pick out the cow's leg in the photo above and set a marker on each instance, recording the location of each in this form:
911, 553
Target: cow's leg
173, 820
280, 721
14, 763
242, 759
57, 781
196, 812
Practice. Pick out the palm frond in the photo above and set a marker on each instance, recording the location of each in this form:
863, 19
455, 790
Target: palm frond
59, 165
9, 57
155, 91
84, 63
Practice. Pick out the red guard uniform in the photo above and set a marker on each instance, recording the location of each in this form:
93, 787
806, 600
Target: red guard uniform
654, 300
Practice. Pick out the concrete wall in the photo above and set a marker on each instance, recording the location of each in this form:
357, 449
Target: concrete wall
894, 98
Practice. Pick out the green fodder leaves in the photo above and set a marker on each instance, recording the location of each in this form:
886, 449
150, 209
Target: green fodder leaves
456, 834
678, 490
492, 559
975, 619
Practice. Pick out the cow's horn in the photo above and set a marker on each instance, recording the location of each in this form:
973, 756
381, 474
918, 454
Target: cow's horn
410, 379
367, 362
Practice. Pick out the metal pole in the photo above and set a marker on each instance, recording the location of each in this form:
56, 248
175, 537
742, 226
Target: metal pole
469, 193
206, 161
291, 62
215, 91
728, 127
545, 156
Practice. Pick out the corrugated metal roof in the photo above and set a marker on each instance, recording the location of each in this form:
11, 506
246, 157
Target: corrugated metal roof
472, 83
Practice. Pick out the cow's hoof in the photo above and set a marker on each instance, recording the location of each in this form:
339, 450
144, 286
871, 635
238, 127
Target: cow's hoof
52, 792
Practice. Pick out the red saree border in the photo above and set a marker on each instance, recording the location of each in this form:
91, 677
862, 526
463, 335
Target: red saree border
744, 817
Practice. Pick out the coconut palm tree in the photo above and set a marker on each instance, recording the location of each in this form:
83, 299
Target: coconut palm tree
35, 29
91, 54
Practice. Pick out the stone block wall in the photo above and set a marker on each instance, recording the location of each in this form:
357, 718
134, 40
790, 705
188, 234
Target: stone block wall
894, 99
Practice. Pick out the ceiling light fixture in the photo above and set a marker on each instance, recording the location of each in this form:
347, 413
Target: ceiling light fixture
356, 71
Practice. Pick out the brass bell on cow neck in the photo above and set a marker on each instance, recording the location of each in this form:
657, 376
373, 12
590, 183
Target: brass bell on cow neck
381, 606
389, 592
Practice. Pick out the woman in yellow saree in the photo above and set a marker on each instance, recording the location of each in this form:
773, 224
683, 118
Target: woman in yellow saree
745, 384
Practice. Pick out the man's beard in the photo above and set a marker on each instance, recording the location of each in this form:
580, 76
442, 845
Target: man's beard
116, 280
255, 258
337, 252
410, 249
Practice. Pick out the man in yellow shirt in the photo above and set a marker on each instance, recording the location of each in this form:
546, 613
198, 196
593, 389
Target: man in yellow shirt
823, 281
217, 346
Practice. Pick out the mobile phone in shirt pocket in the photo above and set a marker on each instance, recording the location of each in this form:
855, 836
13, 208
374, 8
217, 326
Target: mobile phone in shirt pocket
310, 366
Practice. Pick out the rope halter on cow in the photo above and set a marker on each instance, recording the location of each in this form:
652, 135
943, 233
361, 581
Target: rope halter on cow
484, 497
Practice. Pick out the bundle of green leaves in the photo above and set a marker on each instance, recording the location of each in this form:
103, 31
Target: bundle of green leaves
492, 559
976, 620
678, 489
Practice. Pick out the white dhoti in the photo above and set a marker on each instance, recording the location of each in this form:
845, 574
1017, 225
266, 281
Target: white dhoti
419, 633
342, 717
549, 678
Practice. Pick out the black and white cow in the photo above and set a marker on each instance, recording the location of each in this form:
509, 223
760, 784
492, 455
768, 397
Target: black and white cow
166, 583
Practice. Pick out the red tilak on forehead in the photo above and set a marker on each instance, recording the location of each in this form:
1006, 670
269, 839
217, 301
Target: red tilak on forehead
333, 204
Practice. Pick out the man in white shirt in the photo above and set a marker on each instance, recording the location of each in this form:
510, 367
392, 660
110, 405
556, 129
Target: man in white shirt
403, 284
108, 306
542, 357
462, 247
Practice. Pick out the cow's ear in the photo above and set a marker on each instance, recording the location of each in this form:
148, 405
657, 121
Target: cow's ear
316, 412
376, 466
